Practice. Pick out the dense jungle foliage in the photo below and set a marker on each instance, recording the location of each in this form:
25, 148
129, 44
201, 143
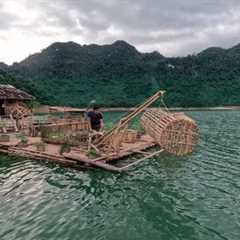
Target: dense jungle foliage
119, 75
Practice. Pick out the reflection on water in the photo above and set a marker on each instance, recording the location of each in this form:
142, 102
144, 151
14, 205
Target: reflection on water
195, 197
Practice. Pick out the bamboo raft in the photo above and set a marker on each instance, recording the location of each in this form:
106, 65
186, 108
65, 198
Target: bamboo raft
176, 134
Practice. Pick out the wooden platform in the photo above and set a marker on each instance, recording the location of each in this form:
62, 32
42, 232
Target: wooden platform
77, 157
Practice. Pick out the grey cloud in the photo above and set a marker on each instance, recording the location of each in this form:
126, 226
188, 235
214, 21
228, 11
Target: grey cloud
51, 14
7, 20
154, 14
188, 26
137, 19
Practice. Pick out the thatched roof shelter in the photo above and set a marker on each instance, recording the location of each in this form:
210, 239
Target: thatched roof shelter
9, 92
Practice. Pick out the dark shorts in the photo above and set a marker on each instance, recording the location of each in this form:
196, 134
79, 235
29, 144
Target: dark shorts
96, 128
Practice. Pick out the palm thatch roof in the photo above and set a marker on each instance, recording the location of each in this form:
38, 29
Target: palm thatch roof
9, 92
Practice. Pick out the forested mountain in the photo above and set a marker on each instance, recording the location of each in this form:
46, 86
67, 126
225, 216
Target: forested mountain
119, 75
3, 66
5, 78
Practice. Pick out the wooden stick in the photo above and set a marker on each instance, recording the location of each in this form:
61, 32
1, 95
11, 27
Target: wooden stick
94, 163
142, 159
142, 152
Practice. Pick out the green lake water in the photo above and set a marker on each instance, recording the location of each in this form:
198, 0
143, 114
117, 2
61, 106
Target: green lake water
195, 197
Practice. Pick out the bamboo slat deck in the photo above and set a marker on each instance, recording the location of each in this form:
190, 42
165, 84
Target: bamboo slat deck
77, 158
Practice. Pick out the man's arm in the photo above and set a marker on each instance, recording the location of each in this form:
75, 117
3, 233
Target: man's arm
88, 116
101, 124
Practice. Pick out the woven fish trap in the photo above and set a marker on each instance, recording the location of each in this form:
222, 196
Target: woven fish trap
175, 133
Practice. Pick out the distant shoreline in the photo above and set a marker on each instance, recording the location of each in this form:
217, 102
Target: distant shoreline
48, 109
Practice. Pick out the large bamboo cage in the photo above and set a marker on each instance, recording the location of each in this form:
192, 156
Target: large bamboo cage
175, 133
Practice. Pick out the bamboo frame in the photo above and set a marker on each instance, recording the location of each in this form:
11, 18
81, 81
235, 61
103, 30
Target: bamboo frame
125, 121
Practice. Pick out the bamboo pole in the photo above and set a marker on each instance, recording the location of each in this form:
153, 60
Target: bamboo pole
141, 160
94, 163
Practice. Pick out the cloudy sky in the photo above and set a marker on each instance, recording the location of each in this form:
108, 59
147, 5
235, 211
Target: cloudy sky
173, 27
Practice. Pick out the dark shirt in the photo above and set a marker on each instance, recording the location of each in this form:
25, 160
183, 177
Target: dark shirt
95, 120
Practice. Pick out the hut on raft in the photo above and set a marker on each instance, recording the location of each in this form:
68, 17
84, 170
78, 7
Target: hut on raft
12, 102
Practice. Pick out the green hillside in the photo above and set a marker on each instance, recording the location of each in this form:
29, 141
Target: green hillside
5, 78
119, 75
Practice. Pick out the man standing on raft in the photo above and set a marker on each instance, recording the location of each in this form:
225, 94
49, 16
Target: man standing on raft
96, 118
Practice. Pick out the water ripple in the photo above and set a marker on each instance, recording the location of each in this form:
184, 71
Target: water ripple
195, 197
